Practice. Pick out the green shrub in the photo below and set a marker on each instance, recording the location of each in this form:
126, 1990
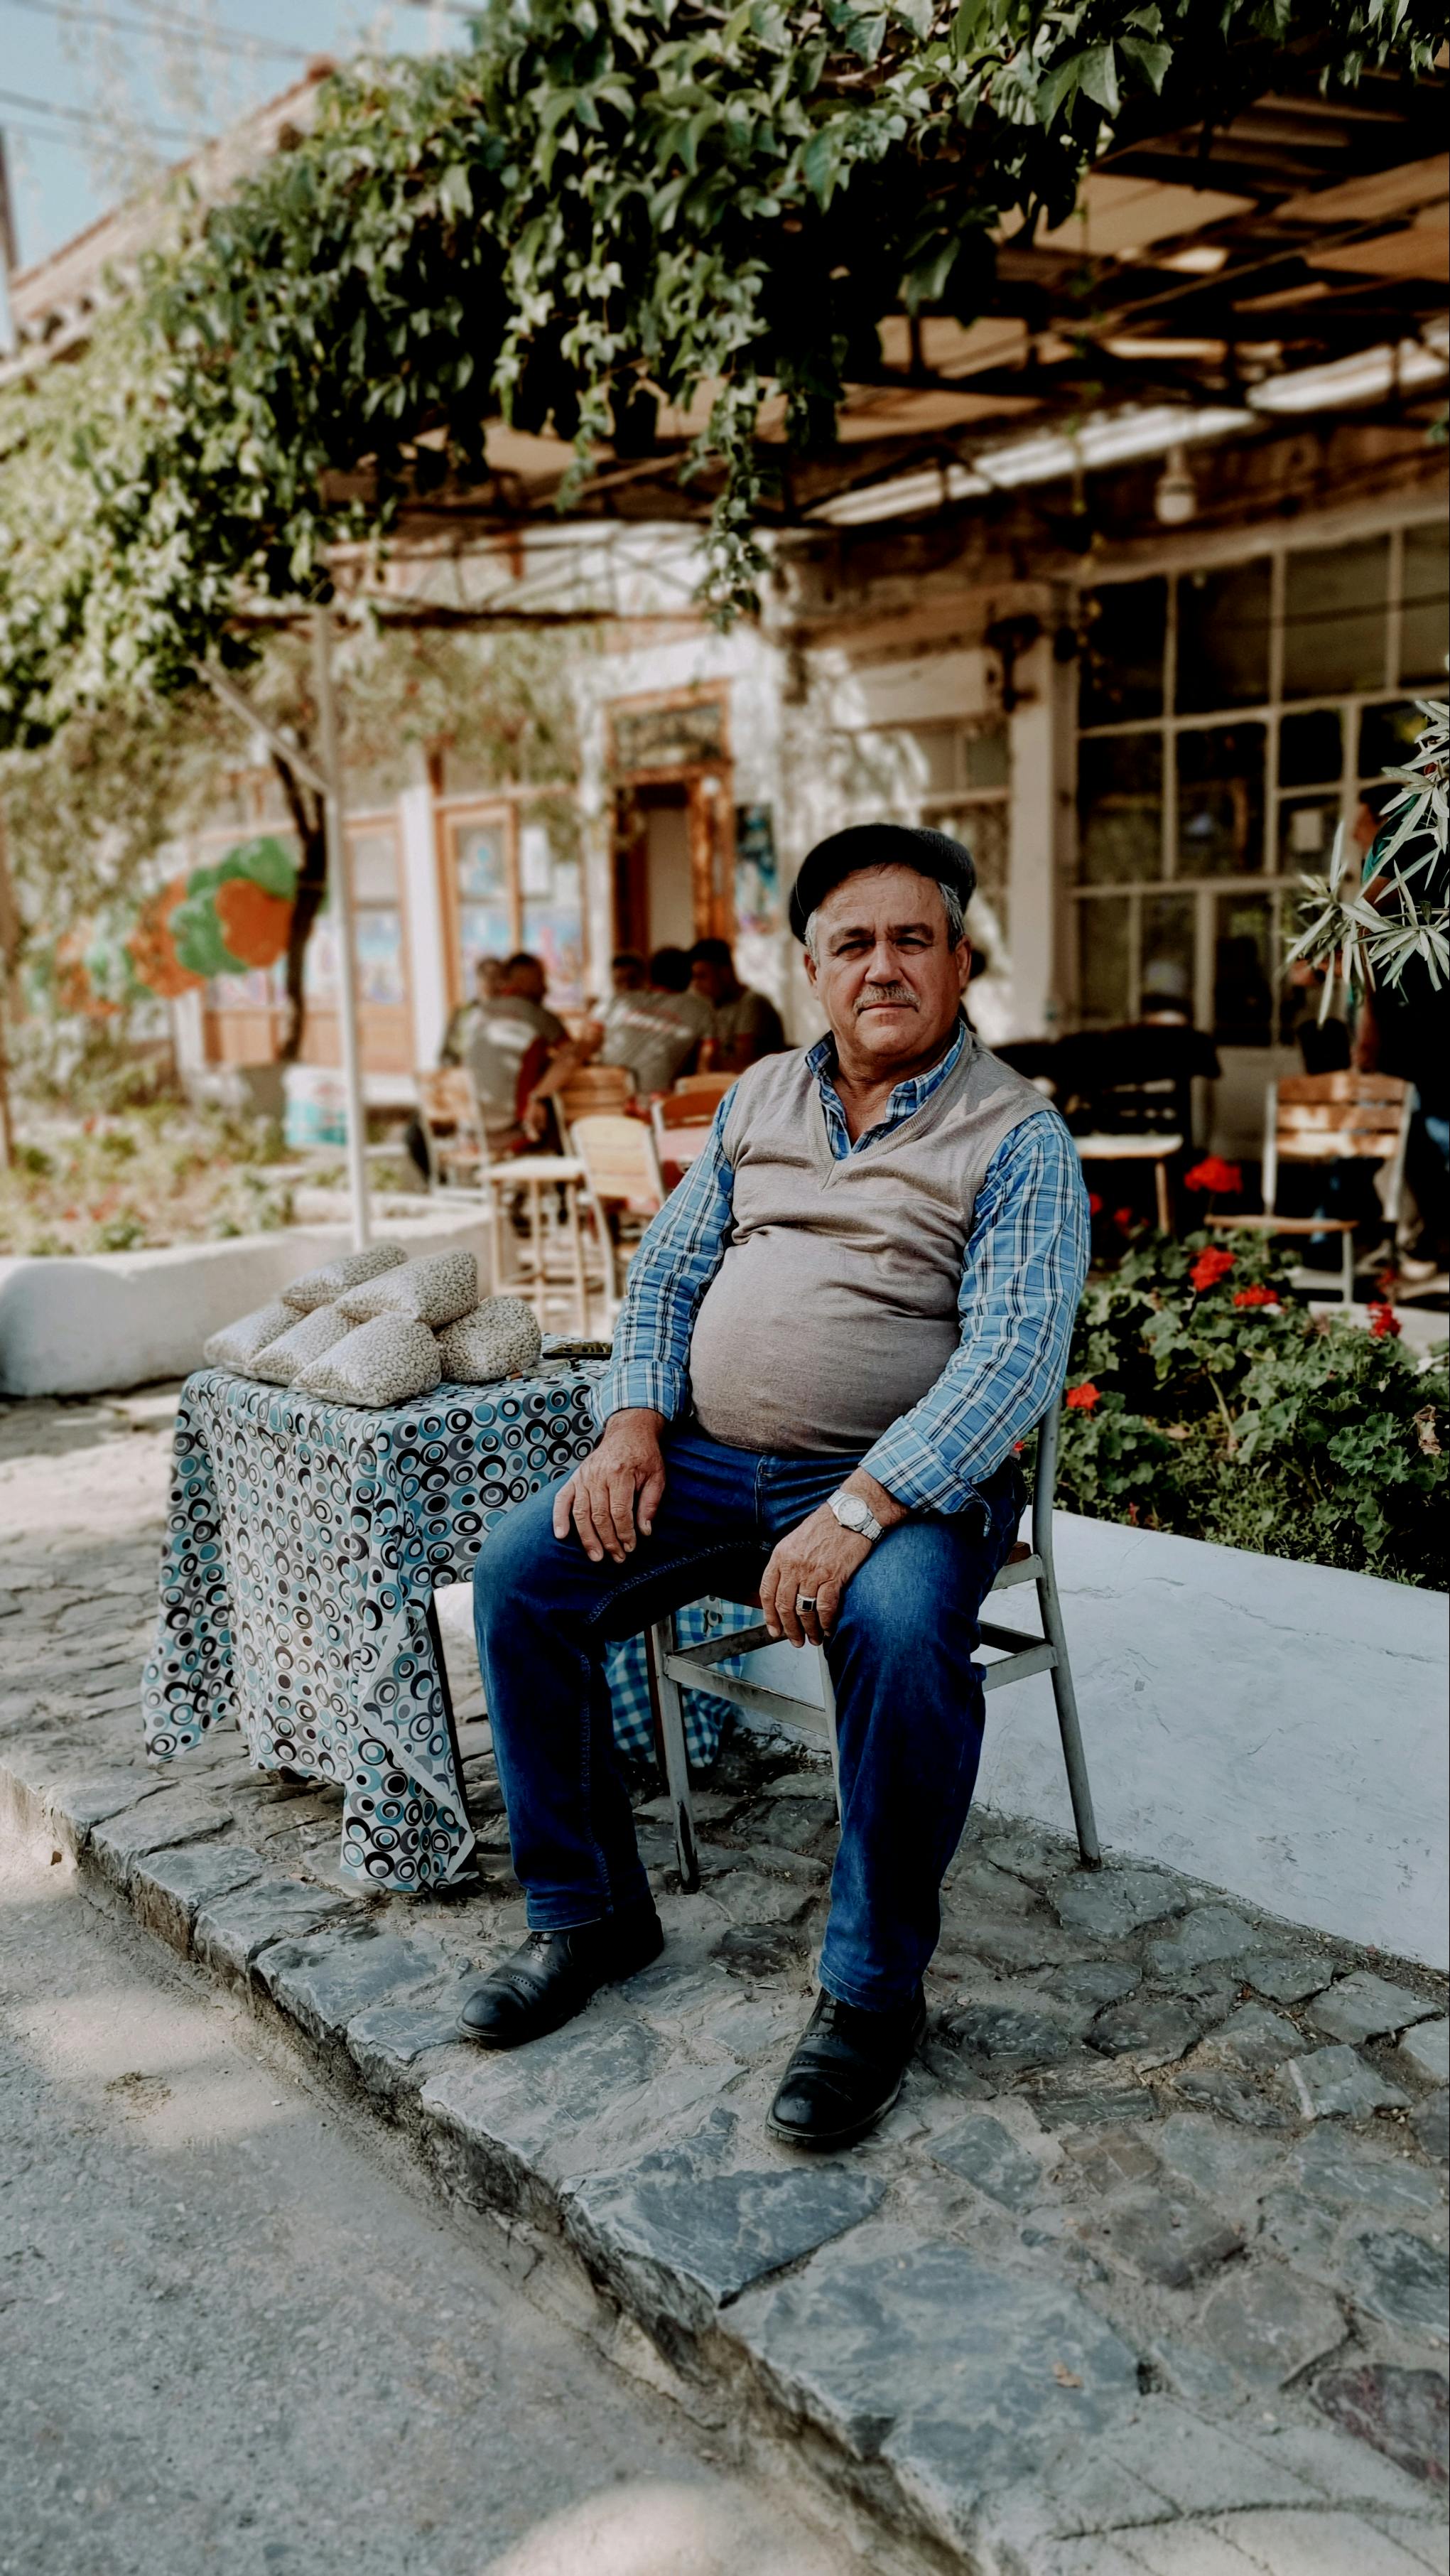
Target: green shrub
1217, 1407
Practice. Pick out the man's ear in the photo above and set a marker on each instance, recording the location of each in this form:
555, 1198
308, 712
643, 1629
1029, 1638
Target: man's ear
810, 970
964, 964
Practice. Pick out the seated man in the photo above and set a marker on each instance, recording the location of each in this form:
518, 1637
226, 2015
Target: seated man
744, 1025
503, 1029
837, 1331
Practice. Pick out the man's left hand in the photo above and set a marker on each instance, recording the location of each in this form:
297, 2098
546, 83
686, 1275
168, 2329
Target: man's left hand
816, 1559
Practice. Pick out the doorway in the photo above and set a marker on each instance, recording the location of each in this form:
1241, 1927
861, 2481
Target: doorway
671, 869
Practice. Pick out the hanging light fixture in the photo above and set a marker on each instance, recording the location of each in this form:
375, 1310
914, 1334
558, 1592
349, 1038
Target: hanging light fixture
1175, 496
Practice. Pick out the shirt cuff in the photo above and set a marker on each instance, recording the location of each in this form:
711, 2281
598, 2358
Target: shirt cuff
655, 1384
915, 1476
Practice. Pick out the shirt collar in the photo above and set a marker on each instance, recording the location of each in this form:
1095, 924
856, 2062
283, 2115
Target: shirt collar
905, 1100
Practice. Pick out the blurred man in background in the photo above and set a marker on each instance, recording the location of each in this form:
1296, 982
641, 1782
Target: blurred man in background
744, 1025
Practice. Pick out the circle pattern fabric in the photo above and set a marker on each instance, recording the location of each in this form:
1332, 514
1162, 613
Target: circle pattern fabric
304, 1542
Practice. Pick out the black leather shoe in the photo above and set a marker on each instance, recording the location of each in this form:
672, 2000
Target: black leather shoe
553, 1976
845, 2074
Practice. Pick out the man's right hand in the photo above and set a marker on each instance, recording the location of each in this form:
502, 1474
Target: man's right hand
617, 1489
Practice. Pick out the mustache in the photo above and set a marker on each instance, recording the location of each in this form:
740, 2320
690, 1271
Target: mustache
883, 993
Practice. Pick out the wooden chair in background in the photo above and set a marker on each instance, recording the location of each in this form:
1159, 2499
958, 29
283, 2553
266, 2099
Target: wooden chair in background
622, 1183
683, 1122
705, 1086
1325, 1118
451, 1119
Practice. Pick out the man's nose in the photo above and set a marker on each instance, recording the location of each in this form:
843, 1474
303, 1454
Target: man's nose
883, 966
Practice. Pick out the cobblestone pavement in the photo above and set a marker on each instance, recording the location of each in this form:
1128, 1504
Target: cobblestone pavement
1145, 2273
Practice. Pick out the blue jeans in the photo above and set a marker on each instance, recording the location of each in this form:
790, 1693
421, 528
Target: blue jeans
909, 1706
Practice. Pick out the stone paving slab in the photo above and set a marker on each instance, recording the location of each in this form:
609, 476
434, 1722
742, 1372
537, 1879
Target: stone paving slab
1146, 2270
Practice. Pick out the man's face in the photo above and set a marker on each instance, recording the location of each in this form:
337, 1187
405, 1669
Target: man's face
527, 982
628, 975
711, 980
889, 981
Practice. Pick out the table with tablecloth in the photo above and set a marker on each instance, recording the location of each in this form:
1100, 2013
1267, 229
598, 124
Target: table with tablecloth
304, 1543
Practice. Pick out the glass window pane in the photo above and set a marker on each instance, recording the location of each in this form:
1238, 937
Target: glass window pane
1334, 618
1223, 637
1306, 833
374, 868
1165, 981
985, 758
1122, 664
482, 869
1221, 801
1423, 607
1311, 748
484, 930
319, 962
554, 930
1387, 736
378, 932
1120, 809
1243, 970
933, 768
1103, 959
982, 829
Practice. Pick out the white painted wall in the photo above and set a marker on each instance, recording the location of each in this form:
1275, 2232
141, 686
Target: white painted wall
78, 1326
1275, 1729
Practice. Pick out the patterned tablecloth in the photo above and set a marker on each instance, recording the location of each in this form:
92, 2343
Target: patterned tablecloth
304, 1542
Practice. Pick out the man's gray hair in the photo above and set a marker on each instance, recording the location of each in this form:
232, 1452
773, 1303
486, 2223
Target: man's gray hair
951, 904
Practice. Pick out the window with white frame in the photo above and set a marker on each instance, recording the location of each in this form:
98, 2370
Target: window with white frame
1230, 715
954, 775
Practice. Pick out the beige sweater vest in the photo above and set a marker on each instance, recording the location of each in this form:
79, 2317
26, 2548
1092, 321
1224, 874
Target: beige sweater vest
835, 1307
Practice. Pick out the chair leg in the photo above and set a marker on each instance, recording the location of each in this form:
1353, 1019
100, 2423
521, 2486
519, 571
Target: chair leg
1089, 1848
1346, 1281
1165, 1213
669, 1719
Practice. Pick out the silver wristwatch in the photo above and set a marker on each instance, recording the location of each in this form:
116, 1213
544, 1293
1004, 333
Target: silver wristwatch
855, 1515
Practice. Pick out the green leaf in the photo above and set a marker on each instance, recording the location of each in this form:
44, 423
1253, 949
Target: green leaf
1098, 78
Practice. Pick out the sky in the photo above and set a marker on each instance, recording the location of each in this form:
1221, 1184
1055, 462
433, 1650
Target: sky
89, 88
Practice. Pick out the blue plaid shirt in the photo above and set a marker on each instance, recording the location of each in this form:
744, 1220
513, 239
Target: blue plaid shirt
1026, 1259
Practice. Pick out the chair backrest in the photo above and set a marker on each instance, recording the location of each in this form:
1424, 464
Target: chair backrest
447, 1097
1334, 1117
620, 1162
683, 1126
705, 1086
595, 1090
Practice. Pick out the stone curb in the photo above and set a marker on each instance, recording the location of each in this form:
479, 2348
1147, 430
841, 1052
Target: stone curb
1033, 2448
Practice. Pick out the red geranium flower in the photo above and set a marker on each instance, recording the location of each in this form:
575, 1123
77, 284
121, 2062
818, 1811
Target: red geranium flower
1384, 1325
1123, 1218
1081, 1399
1095, 1205
1210, 1267
1215, 1175
1258, 1295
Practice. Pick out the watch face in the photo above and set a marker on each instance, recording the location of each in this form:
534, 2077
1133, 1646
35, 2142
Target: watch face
852, 1511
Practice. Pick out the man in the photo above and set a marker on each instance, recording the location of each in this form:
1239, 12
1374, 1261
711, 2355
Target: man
837, 1331
648, 1028
498, 1040
744, 1026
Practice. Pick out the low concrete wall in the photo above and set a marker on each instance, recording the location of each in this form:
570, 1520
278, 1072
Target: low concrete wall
1275, 1729
85, 1324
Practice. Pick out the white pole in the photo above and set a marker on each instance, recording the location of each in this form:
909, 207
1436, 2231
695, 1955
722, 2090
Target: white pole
340, 897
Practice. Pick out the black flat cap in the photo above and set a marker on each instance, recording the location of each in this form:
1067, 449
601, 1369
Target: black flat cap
879, 845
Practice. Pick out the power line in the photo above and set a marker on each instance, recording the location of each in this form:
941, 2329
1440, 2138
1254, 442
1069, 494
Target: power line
90, 116
168, 22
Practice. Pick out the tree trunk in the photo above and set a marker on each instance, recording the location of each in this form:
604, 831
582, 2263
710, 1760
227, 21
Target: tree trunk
305, 807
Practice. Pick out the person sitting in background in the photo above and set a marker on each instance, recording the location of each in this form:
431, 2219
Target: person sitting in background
650, 1027
502, 1033
744, 1026
647, 1026
489, 975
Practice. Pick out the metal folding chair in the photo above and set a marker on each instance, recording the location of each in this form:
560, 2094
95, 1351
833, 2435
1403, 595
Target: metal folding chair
672, 1669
